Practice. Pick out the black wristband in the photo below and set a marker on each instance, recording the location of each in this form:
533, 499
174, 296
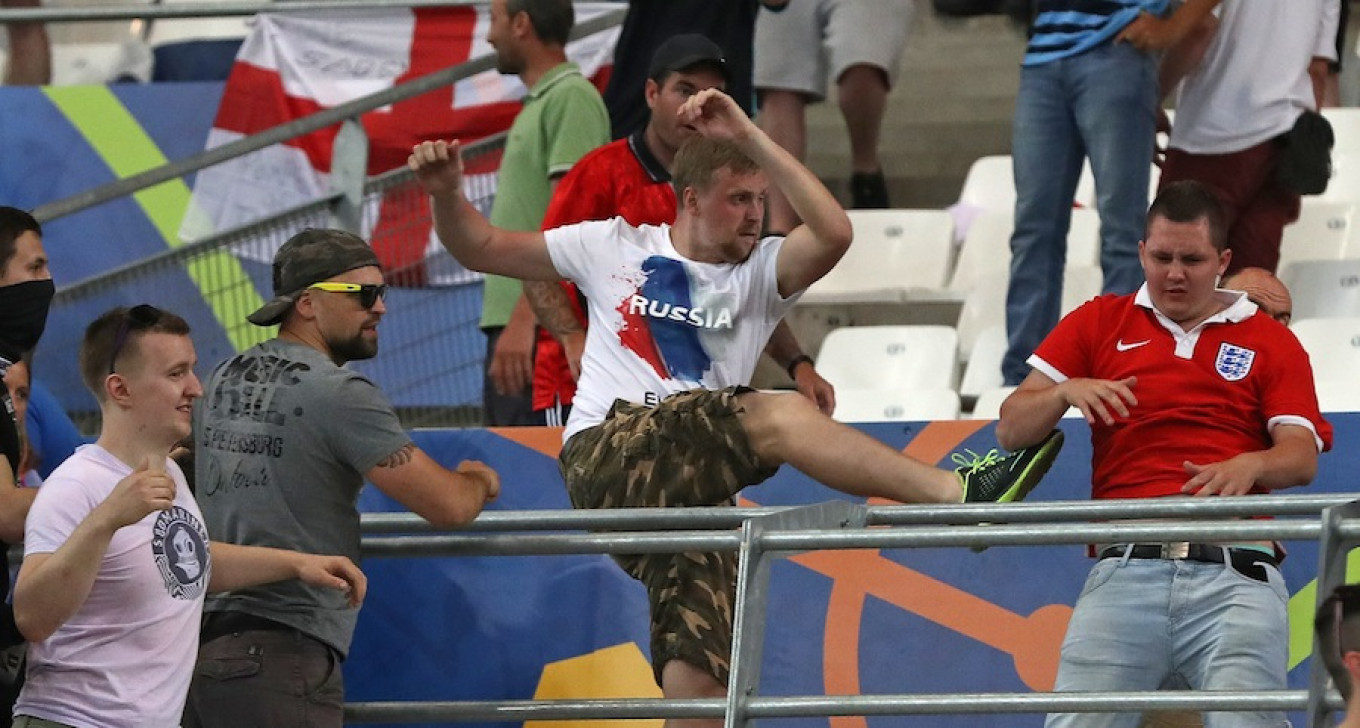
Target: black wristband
793, 364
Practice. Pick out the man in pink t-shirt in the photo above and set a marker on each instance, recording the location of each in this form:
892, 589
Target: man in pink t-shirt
116, 558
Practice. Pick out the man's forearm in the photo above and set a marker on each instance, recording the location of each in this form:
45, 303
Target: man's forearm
552, 307
237, 566
1027, 416
461, 228
783, 346
1292, 459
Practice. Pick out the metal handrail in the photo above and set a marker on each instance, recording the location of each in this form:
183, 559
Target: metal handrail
652, 542
293, 129
492, 534
649, 519
818, 706
206, 10
227, 237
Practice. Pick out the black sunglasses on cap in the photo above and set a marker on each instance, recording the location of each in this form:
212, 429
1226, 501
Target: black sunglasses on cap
138, 318
368, 293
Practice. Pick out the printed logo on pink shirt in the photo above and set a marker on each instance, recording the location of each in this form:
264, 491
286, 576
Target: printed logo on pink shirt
179, 544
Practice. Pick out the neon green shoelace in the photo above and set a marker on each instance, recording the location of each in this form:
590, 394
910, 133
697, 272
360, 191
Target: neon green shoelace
974, 462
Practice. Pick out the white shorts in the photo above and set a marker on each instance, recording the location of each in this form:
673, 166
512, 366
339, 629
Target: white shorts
844, 33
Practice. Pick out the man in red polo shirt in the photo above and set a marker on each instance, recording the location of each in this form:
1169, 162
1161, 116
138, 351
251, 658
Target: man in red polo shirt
1189, 390
630, 178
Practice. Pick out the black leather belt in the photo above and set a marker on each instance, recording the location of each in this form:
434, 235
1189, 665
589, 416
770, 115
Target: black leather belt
1247, 562
221, 624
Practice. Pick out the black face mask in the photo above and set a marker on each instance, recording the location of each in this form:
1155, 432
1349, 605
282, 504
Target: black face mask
23, 316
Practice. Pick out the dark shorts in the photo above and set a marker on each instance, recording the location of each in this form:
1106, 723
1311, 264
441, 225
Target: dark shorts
690, 450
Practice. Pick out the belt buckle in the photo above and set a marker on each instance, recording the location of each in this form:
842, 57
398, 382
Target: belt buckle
1177, 550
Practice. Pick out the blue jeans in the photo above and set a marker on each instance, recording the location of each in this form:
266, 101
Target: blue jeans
1141, 624
1101, 104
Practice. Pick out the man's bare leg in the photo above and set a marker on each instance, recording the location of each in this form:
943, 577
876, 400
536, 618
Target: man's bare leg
863, 97
679, 679
789, 429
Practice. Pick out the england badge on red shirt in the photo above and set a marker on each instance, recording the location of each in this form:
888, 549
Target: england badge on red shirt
1233, 362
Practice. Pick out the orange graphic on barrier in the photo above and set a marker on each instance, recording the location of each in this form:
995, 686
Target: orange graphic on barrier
1033, 642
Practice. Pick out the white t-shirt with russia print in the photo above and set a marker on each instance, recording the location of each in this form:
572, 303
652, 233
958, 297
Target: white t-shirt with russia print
659, 322
125, 658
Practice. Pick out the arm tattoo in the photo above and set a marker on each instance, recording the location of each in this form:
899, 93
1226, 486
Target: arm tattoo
400, 457
552, 307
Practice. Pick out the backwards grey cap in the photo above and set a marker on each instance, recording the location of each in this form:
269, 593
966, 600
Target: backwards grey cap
311, 256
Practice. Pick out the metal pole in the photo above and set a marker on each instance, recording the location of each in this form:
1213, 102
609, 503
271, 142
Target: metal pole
292, 129
753, 588
806, 706
651, 519
349, 171
206, 10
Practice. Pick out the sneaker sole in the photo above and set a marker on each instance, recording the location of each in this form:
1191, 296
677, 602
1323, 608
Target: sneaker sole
1035, 471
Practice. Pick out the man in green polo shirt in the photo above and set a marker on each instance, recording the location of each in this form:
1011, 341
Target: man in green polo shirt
563, 118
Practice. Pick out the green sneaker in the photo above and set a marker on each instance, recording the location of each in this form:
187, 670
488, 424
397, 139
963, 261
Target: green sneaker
991, 478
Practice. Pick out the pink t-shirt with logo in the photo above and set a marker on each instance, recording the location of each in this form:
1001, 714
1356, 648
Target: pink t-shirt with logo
126, 657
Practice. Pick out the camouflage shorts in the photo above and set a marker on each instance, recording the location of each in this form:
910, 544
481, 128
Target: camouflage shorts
690, 450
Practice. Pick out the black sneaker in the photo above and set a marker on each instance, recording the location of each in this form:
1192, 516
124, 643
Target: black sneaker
868, 191
993, 479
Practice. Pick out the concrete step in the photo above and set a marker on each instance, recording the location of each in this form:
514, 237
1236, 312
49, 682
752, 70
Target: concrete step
952, 103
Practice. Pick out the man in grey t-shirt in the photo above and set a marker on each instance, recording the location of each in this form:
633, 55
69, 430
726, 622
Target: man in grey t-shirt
284, 439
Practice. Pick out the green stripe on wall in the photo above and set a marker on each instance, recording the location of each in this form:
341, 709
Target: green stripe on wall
125, 147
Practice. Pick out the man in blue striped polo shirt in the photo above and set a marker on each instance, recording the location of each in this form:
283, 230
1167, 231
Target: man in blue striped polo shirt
1088, 88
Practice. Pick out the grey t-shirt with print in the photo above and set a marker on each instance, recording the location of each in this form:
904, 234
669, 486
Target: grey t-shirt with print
283, 438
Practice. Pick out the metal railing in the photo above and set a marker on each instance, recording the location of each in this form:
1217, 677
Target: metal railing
293, 129
205, 10
446, 368
434, 380
767, 534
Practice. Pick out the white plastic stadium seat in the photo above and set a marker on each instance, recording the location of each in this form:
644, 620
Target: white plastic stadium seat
1333, 346
890, 357
1335, 395
1345, 183
896, 405
983, 371
1323, 288
990, 184
1346, 127
1320, 233
894, 251
985, 304
987, 247
988, 405
984, 307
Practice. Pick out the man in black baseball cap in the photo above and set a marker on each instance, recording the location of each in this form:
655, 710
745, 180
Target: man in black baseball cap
685, 52
285, 437
311, 256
